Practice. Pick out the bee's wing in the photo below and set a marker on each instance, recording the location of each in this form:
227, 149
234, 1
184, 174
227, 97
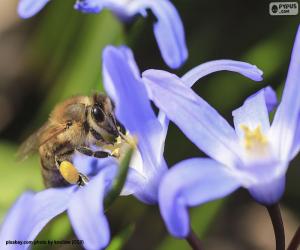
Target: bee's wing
37, 139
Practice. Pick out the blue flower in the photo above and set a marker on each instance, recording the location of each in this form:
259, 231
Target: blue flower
123, 83
255, 155
168, 29
32, 211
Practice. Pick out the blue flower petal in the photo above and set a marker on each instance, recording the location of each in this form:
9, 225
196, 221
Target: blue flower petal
46, 205
245, 69
196, 118
90, 166
33, 211
286, 119
87, 214
253, 113
270, 98
164, 122
133, 107
169, 33
134, 182
16, 217
190, 183
168, 29
89, 6
195, 74
140, 187
296, 145
28, 8
268, 193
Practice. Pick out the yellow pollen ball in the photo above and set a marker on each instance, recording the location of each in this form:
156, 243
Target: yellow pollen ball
69, 172
254, 138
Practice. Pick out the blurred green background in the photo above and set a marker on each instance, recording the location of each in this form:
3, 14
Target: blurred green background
57, 54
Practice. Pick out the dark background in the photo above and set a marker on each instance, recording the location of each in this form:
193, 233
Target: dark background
57, 54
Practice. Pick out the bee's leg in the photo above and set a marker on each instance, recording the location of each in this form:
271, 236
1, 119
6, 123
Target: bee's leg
57, 162
121, 127
89, 152
83, 180
69, 170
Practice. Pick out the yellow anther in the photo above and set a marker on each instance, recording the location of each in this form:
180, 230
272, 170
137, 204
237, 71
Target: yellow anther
122, 142
253, 138
115, 148
116, 152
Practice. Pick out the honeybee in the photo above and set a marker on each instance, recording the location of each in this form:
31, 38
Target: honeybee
73, 125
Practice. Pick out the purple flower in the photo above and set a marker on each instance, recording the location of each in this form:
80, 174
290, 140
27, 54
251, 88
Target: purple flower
255, 155
123, 83
32, 211
168, 28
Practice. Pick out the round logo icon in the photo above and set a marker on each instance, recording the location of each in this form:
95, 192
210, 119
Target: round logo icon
274, 9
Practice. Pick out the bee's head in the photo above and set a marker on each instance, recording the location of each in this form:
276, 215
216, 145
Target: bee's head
101, 117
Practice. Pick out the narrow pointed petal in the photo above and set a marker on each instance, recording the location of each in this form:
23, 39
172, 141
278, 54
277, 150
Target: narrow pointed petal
245, 69
87, 214
286, 119
169, 33
28, 8
189, 183
253, 113
133, 107
168, 29
33, 211
196, 118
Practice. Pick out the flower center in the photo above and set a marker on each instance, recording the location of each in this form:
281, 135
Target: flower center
254, 140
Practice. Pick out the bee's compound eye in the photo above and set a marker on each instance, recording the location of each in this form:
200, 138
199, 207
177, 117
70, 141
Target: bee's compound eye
97, 113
